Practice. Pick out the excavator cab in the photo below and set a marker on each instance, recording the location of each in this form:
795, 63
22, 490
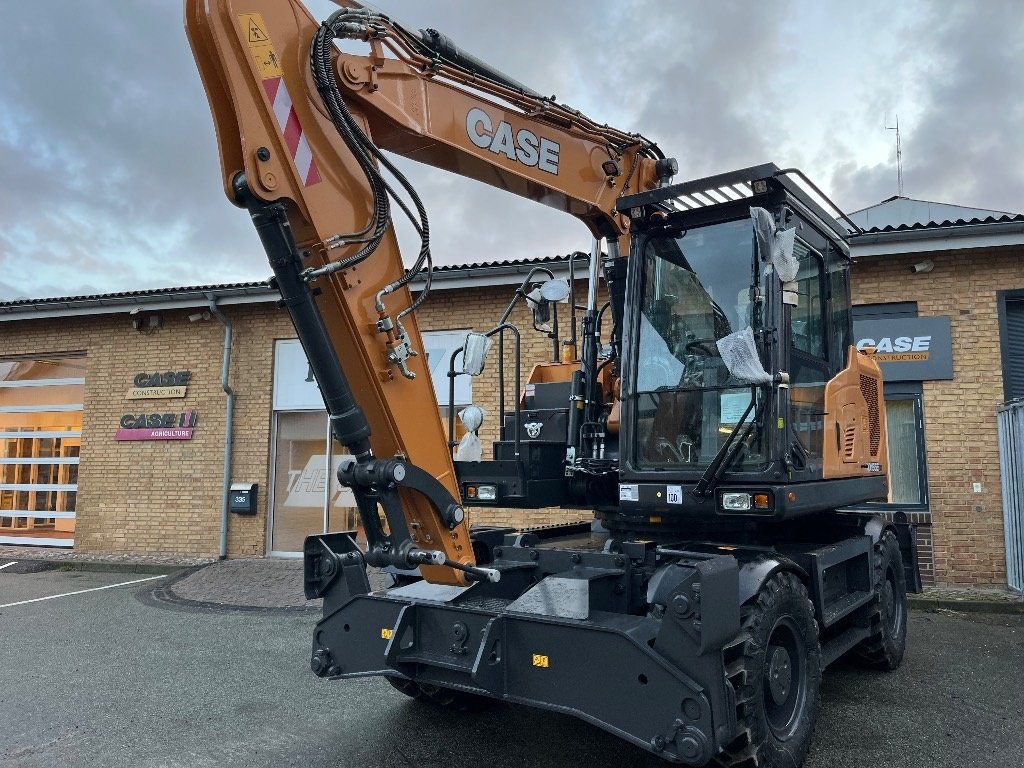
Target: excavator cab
737, 358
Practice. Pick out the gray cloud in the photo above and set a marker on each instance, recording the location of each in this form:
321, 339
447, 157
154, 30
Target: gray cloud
110, 173
965, 144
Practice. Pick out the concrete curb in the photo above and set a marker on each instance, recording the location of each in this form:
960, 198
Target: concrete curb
164, 594
966, 606
107, 566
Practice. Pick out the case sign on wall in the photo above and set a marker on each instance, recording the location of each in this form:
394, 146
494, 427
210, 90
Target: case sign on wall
153, 386
908, 348
157, 426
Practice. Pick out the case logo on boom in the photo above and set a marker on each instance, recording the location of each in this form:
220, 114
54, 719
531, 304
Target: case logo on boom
524, 146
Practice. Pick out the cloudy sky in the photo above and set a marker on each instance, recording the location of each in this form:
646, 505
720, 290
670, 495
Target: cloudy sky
110, 180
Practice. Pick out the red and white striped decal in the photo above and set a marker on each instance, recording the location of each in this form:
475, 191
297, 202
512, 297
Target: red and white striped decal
288, 121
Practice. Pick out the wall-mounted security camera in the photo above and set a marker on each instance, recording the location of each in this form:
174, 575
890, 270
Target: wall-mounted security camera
923, 266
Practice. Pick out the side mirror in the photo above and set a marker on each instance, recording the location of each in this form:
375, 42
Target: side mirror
541, 299
474, 353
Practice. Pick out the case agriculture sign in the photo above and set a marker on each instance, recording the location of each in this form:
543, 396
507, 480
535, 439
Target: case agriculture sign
908, 348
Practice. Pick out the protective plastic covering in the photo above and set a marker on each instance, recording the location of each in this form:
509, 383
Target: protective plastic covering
470, 448
658, 367
474, 353
739, 353
775, 245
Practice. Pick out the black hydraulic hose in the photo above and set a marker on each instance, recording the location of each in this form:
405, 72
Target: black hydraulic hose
348, 422
341, 24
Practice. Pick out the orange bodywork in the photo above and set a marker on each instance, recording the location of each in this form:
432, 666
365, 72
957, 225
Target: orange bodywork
855, 434
253, 57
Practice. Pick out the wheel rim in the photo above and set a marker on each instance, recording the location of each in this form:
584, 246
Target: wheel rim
892, 608
785, 679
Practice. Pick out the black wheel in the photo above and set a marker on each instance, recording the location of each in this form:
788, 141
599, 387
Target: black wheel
775, 667
441, 697
884, 649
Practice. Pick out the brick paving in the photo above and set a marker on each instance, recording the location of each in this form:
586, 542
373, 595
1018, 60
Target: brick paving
250, 583
260, 583
977, 599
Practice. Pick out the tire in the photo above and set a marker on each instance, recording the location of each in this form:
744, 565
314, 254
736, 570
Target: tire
437, 696
775, 668
888, 618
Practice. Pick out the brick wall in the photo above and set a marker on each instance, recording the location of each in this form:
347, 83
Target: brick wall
166, 496
960, 423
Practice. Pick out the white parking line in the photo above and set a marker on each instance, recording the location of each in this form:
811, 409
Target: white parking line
8, 565
81, 591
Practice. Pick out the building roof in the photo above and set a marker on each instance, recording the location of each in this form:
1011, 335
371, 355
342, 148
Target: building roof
908, 213
902, 225
447, 276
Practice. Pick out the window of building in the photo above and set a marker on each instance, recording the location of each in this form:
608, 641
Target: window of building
304, 483
301, 480
438, 348
908, 486
40, 438
1011, 321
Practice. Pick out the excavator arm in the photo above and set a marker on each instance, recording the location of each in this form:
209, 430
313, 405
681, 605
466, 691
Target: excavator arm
300, 125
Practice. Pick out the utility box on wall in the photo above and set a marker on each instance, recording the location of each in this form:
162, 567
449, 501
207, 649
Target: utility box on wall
242, 499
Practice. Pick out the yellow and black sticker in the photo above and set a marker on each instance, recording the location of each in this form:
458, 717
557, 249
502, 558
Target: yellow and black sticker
255, 32
386, 634
541, 661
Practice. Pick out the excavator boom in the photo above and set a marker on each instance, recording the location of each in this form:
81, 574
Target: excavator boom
300, 126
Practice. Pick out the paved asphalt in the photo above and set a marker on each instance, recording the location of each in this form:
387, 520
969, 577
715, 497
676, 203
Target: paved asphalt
111, 677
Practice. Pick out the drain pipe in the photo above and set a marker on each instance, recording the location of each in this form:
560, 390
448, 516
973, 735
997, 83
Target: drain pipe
228, 422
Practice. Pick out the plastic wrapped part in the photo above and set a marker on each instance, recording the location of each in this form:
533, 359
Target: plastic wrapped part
657, 366
474, 353
775, 245
470, 448
764, 231
739, 353
472, 416
785, 263
555, 290
541, 309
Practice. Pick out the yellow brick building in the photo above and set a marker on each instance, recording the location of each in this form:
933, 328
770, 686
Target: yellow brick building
69, 366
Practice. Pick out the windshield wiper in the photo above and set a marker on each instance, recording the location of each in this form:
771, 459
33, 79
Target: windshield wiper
727, 453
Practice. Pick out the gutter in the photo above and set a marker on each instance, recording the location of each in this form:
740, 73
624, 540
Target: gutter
228, 422
1005, 229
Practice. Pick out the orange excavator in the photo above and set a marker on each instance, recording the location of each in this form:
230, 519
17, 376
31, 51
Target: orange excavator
713, 413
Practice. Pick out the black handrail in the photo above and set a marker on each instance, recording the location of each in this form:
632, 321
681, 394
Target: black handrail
500, 330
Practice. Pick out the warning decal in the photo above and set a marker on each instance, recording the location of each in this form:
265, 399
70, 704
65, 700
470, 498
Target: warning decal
255, 31
269, 67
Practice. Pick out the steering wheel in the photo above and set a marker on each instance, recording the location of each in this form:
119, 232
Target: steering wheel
701, 345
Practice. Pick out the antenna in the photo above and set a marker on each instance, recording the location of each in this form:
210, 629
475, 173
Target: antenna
899, 157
